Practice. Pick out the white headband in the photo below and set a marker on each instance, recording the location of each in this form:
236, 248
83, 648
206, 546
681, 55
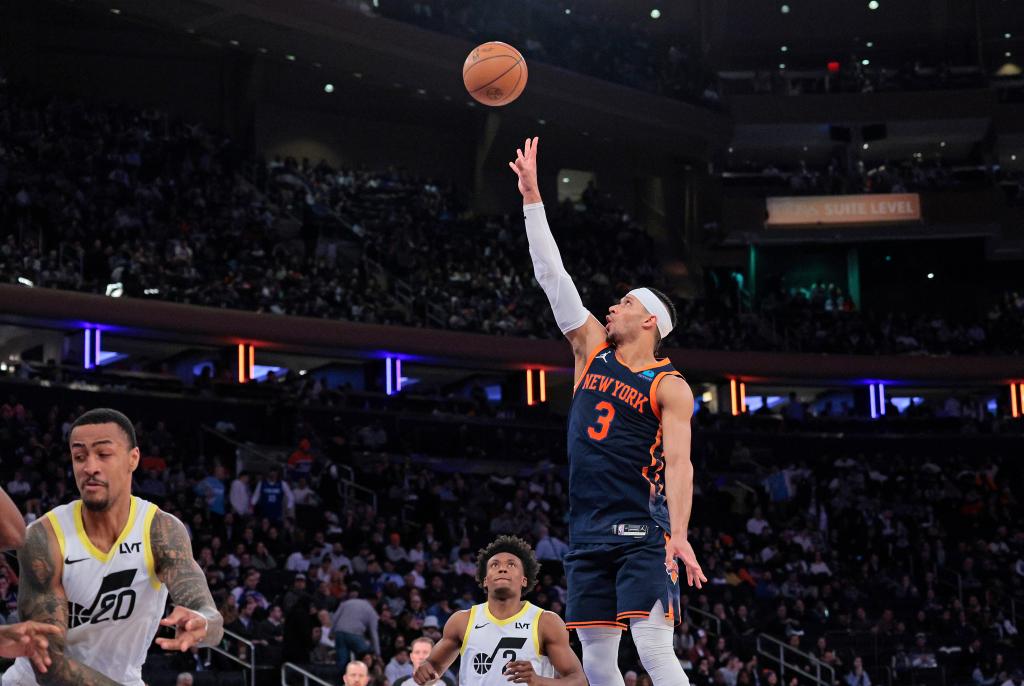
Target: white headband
656, 307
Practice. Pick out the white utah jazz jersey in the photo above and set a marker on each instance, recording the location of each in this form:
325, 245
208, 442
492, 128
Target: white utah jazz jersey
115, 601
490, 644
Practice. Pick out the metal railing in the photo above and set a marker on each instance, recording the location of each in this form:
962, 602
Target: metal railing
307, 677
708, 617
775, 649
250, 665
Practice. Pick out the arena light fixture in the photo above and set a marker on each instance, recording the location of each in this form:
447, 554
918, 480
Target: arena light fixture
784, 48
942, 144
115, 10
1014, 410
782, 65
931, 275
870, 44
866, 146
328, 88
565, 179
263, 51
784, 9
865, 61
1013, 158
732, 396
568, 11
1007, 36
655, 13
234, 43
871, 397
26, 282
873, 5
290, 57
1007, 54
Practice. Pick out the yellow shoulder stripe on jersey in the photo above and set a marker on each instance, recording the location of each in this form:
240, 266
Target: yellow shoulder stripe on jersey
147, 548
103, 557
469, 627
58, 531
503, 622
535, 632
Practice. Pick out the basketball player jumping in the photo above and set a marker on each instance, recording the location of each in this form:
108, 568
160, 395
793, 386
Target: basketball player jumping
630, 476
100, 569
505, 640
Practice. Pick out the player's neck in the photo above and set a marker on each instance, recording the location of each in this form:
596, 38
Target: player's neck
104, 527
503, 609
635, 354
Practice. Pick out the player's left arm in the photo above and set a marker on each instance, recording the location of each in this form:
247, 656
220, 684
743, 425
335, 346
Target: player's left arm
195, 616
554, 638
676, 401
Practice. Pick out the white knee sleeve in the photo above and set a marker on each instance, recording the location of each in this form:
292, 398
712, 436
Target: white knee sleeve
601, 656
653, 639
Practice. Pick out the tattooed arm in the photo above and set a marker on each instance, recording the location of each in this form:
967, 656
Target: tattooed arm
195, 616
41, 598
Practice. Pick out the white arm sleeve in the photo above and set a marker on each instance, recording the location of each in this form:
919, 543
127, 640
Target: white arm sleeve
547, 267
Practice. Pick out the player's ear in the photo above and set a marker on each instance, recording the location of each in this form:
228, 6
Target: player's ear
133, 458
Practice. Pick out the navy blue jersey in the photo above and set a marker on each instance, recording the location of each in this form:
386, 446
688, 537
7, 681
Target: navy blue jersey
616, 466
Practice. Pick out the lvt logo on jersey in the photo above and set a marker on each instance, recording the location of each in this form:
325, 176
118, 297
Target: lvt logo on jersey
482, 663
115, 600
130, 548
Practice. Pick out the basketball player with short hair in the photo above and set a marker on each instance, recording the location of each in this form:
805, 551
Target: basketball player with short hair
100, 570
630, 475
505, 640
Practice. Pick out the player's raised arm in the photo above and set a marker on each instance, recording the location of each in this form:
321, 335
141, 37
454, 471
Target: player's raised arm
444, 651
195, 616
582, 329
41, 599
555, 640
676, 400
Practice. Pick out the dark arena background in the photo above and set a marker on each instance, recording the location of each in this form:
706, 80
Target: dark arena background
281, 236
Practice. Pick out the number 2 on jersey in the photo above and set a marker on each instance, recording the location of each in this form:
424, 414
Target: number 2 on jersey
604, 422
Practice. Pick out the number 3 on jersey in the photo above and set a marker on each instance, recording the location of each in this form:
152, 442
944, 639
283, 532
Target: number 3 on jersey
604, 422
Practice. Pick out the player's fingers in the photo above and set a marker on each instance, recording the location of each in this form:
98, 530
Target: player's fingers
41, 661
527, 144
519, 154
533, 148
168, 643
514, 167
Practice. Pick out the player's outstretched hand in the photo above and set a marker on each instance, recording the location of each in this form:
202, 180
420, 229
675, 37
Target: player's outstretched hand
425, 674
679, 547
190, 629
520, 672
525, 167
28, 639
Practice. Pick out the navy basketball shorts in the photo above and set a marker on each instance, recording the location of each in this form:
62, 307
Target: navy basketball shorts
611, 583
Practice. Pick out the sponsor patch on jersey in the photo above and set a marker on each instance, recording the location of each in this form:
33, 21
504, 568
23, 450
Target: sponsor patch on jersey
649, 374
632, 530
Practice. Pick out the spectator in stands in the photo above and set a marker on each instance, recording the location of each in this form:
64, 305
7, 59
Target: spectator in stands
273, 498
548, 547
241, 498
399, 666
211, 490
354, 626
300, 463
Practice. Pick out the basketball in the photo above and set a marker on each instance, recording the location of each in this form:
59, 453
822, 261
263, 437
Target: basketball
494, 73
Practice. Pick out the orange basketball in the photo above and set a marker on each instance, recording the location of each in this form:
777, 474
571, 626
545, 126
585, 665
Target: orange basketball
494, 73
